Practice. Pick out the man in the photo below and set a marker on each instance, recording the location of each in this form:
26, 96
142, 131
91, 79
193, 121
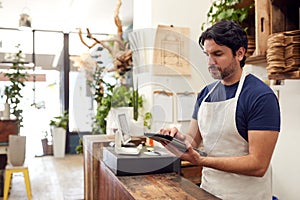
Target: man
236, 119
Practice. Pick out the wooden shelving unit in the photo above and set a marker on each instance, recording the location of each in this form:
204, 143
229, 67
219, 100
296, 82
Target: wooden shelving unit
272, 17
287, 75
284, 17
256, 59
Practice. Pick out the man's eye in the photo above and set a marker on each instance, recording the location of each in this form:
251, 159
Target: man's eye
218, 54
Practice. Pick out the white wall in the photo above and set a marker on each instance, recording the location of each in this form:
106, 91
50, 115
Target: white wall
286, 162
148, 14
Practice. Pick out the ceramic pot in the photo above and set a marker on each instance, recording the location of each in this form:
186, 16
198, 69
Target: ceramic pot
16, 150
59, 142
6, 112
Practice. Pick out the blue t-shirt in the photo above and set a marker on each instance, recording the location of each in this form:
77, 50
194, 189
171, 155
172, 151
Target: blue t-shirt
257, 107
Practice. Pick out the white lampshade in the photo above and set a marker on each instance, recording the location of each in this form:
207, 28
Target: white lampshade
25, 19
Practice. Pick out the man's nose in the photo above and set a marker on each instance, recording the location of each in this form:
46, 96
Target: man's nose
211, 60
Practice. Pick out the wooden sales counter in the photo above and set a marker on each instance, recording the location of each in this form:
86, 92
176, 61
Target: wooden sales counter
101, 183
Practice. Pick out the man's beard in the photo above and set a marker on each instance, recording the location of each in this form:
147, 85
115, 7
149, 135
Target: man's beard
216, 73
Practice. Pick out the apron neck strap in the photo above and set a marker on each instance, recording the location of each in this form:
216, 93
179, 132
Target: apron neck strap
241, 83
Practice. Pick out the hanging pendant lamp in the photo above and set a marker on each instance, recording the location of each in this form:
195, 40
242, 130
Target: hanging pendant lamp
25, 19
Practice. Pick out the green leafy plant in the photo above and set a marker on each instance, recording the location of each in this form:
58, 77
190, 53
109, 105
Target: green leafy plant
103, 98
17, 77
79, 148
135, 104
61, 120
227, 9
125, 96
148, 120
121, 97
98, 84
102, 92
99, 125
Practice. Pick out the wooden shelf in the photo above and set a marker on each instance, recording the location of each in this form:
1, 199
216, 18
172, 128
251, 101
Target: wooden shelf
256, 59
267, 16
287, 75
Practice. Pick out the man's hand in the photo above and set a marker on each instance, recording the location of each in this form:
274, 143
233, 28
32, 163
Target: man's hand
174, 132
190, 155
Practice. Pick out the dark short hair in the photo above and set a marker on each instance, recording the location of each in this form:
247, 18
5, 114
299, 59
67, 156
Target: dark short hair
227, 33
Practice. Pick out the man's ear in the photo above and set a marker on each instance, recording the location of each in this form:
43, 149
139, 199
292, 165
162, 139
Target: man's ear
240, 53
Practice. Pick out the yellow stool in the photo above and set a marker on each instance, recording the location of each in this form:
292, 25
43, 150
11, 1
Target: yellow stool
9, 170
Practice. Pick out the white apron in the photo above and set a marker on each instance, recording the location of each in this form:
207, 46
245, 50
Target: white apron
217, 125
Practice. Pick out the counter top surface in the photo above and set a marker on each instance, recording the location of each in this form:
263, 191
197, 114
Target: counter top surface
163, 186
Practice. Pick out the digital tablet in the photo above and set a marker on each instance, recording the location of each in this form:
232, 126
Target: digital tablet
174, 141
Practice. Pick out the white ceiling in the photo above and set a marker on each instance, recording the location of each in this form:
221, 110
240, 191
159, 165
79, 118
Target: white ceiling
66, 15
58, 15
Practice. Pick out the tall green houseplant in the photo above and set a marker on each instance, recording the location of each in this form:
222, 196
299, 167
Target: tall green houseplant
17, 77
103, 98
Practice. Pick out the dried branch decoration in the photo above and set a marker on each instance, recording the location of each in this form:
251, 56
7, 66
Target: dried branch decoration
122, 55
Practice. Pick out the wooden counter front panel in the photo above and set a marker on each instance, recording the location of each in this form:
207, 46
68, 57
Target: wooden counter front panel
110, 186
92, 152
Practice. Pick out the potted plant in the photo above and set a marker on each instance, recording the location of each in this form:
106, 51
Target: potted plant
123, 100
46, 140
236, 10
59, 126
240, 11
17, 77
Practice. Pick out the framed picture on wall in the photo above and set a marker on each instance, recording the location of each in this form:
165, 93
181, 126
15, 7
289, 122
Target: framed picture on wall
171, 51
